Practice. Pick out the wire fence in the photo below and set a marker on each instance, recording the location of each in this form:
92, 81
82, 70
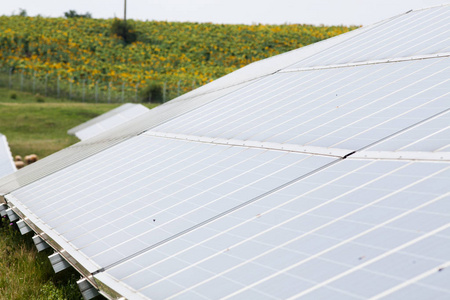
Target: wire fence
83, 90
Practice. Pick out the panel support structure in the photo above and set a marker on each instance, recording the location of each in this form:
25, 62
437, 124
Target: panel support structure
40, 243
58, 262
12, 215
86, 289
3, 208
23, 227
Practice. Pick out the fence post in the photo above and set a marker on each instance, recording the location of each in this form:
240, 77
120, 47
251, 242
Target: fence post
123, 90
193, 84
96, 91
21, 81
70, 88
10, 77
109, 92
84, 89
34, 82
58, 88
136, 93
164, 92
46, 84
178, 88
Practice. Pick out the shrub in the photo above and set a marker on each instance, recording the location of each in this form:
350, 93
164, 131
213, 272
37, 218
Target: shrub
74, 14
22, 12
125, 30
153, 92
13, 96
39, 98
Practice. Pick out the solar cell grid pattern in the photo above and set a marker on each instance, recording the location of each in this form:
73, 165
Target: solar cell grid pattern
417, 33
346, 108
155, 189
430, 136
354, 230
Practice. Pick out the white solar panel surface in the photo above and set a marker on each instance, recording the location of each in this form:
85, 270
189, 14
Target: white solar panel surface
346, 108
6, 161
354, 230
109, 120
315, 183
416, 33
432, 135
156, 189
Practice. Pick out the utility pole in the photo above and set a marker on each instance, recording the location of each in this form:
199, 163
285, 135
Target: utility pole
125, 11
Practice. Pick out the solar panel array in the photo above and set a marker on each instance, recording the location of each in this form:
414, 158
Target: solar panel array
325, 179
108, 120
7, 165
416, 33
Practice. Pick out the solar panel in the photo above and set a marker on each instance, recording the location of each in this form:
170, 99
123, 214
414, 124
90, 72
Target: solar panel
158, 187
322, 173
422, 32
6, 161
433, 135
108, 120
357, 229
346, 108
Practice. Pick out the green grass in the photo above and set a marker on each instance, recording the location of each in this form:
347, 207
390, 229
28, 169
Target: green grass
38, 124
27, 274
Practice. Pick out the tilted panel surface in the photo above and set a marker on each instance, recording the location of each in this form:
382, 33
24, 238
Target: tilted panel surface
6, 161
120, 109
422, 32
432, 135
354, 230
145, 190
109, 120
347, 108
84, 149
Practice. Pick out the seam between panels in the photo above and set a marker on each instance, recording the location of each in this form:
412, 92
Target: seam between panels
348, 155
368, 63
362, 30
218, 216
404, 129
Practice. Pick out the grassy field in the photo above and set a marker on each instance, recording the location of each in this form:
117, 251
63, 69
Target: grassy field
27, 274
36, 124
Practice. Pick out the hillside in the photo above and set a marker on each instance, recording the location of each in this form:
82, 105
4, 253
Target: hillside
183, 55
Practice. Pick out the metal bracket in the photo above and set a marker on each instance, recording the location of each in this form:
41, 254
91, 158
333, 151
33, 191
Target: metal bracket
12, 215
58, 262
3, 208
40, 243
23, 227
86, 289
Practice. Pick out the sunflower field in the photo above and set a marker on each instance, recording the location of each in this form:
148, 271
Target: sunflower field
82, 58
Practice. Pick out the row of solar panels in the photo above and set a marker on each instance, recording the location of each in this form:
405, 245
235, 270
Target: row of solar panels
321, 173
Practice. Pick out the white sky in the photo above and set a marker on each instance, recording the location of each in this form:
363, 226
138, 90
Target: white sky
328, 12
